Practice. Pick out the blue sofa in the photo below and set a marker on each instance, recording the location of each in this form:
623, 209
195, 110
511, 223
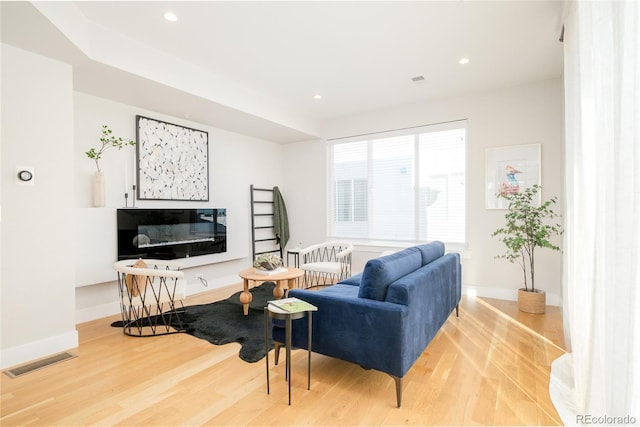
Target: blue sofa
384, 317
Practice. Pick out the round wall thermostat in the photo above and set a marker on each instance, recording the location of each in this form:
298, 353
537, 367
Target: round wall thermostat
25, 176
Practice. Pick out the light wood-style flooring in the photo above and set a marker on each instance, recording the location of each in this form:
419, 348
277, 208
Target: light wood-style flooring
483, 368
548, 325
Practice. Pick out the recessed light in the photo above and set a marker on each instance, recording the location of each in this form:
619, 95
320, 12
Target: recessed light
317, 96
463, 61
171, 17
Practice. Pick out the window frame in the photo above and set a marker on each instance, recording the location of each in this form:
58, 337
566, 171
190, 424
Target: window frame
416, 131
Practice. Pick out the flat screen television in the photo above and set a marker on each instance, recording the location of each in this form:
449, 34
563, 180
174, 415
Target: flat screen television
171, 233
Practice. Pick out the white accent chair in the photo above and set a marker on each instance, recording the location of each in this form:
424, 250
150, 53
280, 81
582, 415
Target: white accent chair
326, 263
150, 295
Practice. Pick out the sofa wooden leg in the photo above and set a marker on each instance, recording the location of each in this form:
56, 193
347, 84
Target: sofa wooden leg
398, 381
457, 306
276, 350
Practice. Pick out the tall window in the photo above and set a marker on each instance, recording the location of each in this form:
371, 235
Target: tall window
406, 186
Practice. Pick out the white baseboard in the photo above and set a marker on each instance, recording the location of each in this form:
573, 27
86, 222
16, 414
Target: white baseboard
109, 309
97, 312
505, 294
38, 349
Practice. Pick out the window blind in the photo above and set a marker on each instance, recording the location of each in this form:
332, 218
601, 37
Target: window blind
405, 185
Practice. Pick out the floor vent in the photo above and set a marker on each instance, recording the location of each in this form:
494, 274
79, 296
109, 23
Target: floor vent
39, 364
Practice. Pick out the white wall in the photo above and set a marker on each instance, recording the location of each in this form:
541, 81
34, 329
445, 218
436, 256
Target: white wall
305, 177
529, 114
38, 301
235, 162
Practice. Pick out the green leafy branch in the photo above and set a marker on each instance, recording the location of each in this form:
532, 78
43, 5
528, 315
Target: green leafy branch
526, 228
107, 140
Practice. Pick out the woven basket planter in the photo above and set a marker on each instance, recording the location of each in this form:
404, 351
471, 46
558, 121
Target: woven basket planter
532, 302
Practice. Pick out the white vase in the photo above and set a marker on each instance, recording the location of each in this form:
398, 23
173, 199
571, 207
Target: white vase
98, 190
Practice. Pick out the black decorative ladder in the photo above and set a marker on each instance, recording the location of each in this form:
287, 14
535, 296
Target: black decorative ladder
263, 236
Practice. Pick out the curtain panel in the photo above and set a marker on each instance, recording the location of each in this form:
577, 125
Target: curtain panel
598, 381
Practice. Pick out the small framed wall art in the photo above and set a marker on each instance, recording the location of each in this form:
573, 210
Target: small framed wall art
173, 161
510, 170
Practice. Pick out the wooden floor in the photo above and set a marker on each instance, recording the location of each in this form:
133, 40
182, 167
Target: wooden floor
548, 325
481, 369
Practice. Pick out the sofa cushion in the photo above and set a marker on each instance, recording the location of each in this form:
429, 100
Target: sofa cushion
379, 273
429, 281
341, 291
431, 251
353, 280
322, 267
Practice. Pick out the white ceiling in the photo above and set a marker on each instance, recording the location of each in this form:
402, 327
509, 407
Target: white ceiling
275, 56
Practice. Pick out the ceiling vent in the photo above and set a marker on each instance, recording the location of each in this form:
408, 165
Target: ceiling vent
417, 79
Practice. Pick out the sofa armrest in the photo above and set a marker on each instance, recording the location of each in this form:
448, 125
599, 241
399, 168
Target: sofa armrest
370, 333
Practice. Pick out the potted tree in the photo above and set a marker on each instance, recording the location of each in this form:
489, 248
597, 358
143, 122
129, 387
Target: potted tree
107, 141
526, 228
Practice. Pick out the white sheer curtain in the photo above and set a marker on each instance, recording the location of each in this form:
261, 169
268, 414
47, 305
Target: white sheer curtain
600, 377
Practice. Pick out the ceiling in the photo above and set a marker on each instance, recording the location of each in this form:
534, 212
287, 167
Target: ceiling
258, 65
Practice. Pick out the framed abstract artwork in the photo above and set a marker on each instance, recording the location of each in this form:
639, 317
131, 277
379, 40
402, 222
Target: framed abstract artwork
173, 161
510, 170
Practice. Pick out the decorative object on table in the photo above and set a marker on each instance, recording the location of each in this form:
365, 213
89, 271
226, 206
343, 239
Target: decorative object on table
107, 141
271, 272
510, 170
293, 305
528, 225
173, 161
267, 262
223, 322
